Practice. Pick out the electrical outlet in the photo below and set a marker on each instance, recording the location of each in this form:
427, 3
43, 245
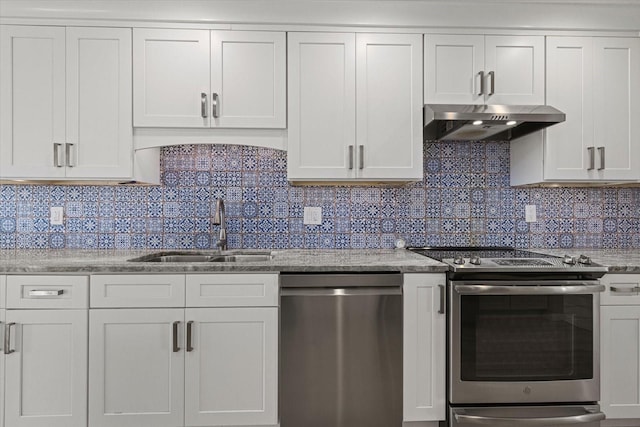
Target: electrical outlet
57, 215
313, 216
530, 213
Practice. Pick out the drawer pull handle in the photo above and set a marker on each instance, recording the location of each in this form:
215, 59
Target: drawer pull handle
189, 331
627, 290
45, 293
7, 338
442, 299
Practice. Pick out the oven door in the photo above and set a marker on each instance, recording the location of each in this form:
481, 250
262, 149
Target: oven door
524, 341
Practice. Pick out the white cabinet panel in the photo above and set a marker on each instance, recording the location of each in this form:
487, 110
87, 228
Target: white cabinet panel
322, 91
231, 371
621, 289
47, 373
171, 77
389, 106
452, 67
477, 69
35, 291
424, 363
518, 66
2, 388
620, 361
232, 290
32, 101
616, 106
99, 102
131, 290
136, 375
248, 74
570, 89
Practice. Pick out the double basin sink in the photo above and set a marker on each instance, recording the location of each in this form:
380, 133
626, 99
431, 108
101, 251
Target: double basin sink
201, 257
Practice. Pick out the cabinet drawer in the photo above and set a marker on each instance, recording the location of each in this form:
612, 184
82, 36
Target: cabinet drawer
232, 290
622, 289
3, 287
129, 290
47, 291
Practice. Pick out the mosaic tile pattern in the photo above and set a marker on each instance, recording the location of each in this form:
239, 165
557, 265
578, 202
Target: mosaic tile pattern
465, 199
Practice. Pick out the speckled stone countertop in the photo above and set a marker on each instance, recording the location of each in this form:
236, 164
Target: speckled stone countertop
113, 261
294, 260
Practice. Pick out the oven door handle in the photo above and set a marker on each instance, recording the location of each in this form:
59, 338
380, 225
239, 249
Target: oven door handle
478, 420
527, 289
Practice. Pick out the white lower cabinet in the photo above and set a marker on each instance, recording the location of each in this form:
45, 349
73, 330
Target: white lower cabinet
46, 370
424, 362
136, 368
3, 281
171, 366
620, 347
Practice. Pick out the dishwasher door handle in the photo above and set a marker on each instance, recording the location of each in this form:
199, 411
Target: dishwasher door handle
337, 292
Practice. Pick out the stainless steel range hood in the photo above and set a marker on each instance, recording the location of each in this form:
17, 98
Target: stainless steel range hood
486, 122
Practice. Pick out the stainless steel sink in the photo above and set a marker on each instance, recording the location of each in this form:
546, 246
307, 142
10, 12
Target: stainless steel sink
239, 257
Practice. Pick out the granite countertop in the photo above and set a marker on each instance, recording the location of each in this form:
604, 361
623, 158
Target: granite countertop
292, 260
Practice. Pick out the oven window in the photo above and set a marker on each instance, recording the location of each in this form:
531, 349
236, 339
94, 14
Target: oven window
526, 337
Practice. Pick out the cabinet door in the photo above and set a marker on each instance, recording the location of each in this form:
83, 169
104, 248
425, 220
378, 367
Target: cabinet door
569, 145
32, 101
617, 107
248, 75
136, 362
620, 361
171, 78
389, 106
99, 97
322, 93
452, 69
517, 64
424, 347
231, 371
46, 376
2, 324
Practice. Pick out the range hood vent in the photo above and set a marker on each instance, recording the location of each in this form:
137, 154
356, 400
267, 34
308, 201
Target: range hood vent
447, 122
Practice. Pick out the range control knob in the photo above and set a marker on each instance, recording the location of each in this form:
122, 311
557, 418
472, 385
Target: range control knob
475, 260
568, 260
459, 260
585, 260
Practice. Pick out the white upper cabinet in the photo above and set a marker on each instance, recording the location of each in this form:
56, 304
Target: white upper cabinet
477, 69
66, 102
32, 101
202, 78
593, 80
355, 107
248, 79
389, 106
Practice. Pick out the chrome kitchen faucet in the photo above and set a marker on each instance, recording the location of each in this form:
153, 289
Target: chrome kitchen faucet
218, 219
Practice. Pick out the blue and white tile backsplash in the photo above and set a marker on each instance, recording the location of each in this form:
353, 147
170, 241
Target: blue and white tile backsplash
465, 199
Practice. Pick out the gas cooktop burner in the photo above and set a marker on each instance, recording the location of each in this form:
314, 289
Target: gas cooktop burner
441, 252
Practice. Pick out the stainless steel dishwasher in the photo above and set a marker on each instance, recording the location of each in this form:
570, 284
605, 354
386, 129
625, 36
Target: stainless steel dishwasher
341, 350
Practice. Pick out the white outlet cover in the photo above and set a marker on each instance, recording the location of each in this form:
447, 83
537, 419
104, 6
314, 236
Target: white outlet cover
530, 213
313, 215
57, 215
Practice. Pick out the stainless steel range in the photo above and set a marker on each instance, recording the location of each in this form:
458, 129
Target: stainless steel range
523, 337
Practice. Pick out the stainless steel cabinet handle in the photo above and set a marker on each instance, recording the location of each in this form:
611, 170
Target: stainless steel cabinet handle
203, 105
350, 157
45, 292
56, 155
442, 295
7, 338
69, 154
473, 289
592, 158
481, 73
176, 347
625, 290
528, 422
215, 105
361, 157
189, 332
601, 154
492, 74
